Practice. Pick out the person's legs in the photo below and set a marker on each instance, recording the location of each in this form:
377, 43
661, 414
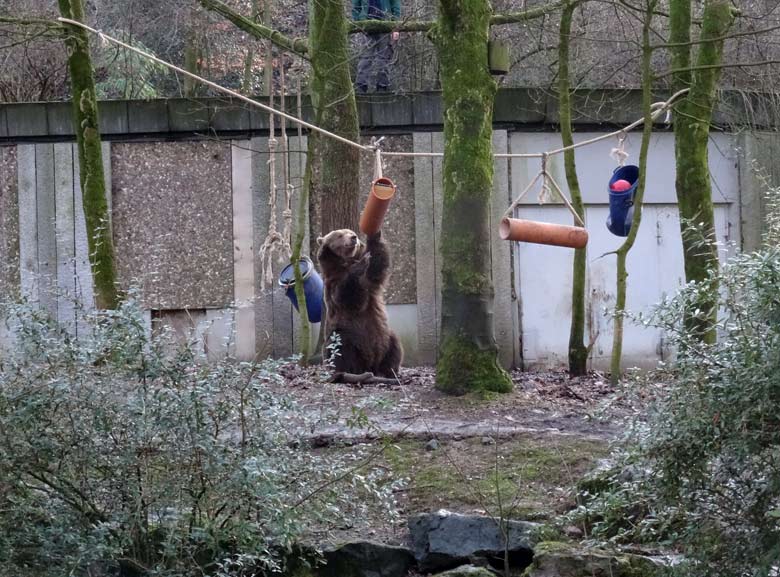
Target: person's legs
384, 57
366, 63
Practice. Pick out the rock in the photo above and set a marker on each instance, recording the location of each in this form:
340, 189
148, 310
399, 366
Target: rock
467, 571
554, 559
488, 441
445, 540
366, 559
432, 445
573, 532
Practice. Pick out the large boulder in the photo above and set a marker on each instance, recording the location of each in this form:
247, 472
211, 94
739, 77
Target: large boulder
552, 559
445, 540
366, 559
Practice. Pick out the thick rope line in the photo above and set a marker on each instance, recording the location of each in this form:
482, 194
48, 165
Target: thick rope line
105, 37
659, 106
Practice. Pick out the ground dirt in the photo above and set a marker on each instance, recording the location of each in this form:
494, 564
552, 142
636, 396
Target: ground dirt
518, 454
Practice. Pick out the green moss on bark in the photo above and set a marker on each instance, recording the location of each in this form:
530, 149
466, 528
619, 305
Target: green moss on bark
464, 368
578, 352
691, 129
622, 252
93, 185
334, 194
468, 356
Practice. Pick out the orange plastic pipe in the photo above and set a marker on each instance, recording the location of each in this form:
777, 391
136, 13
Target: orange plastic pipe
382, 190
543, 233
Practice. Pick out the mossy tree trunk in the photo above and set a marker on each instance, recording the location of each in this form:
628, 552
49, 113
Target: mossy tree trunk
468, 355
334, 193
622, 252
578, 352
247, 82
193, 54
691, 130
93, 185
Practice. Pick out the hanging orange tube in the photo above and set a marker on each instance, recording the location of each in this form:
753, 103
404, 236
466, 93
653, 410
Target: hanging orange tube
543, 233
382, 190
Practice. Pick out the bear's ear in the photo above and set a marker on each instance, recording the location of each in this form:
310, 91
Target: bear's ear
320, 240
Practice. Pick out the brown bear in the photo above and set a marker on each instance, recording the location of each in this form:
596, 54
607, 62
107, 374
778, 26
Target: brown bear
355, 275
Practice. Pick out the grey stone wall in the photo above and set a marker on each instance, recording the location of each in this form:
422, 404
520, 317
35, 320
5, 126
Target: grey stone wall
9, 223
398, 229
172, 222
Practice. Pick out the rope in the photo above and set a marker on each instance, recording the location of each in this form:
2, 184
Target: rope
377, 157
619, 153
105, 37
548, 185
275, 242
659, 107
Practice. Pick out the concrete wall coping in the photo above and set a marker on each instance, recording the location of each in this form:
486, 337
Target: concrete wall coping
526, 108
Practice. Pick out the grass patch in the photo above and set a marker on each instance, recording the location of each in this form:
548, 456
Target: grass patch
529, 476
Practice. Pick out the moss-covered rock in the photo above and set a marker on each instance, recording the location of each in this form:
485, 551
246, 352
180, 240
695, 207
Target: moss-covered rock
557, 559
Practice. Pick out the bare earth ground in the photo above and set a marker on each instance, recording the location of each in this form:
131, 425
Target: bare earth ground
520, 453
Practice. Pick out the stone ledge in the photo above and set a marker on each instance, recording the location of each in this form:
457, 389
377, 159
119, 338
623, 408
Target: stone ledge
411, 111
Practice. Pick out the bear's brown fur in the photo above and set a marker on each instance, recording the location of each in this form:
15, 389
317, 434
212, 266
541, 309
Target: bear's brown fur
355, 275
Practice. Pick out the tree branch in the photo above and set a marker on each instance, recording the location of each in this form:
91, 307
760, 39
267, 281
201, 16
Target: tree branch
712, 66
719, 39
386, 26
50, 24
297, 46
523, 15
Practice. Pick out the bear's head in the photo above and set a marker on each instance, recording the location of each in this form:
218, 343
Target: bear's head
339, 249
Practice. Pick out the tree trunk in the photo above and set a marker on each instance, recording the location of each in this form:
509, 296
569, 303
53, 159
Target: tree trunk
247, 83
193, 54
691, 130
468, 355
578, 352
334, 194
622, 252
93, 185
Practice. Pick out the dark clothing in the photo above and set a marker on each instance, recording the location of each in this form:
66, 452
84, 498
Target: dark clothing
376, 9
375, 59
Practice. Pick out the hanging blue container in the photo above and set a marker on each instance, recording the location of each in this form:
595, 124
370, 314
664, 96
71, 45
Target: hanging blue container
312, 287
621, 203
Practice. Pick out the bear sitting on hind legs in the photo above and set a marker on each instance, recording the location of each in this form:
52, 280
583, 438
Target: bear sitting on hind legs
355, 275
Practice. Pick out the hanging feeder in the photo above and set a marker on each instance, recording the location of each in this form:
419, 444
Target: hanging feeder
498, 57
382, 190
312, 287
622, 187
543, 233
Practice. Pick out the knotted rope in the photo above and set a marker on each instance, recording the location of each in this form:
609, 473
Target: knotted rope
275, 243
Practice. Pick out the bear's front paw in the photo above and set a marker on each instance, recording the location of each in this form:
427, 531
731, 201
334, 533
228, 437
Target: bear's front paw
361, 265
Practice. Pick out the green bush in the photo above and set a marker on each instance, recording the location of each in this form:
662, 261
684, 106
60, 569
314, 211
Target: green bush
704, 473
118, 456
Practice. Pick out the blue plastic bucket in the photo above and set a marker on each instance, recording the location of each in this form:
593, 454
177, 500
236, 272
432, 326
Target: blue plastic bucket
312, 287
621, 204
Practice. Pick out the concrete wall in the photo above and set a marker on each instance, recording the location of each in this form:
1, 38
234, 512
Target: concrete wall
190, 185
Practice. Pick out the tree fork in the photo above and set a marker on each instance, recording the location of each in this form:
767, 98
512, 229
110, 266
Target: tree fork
93, 185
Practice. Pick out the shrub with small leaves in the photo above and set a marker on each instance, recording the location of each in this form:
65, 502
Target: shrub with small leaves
117, 456
704, 471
